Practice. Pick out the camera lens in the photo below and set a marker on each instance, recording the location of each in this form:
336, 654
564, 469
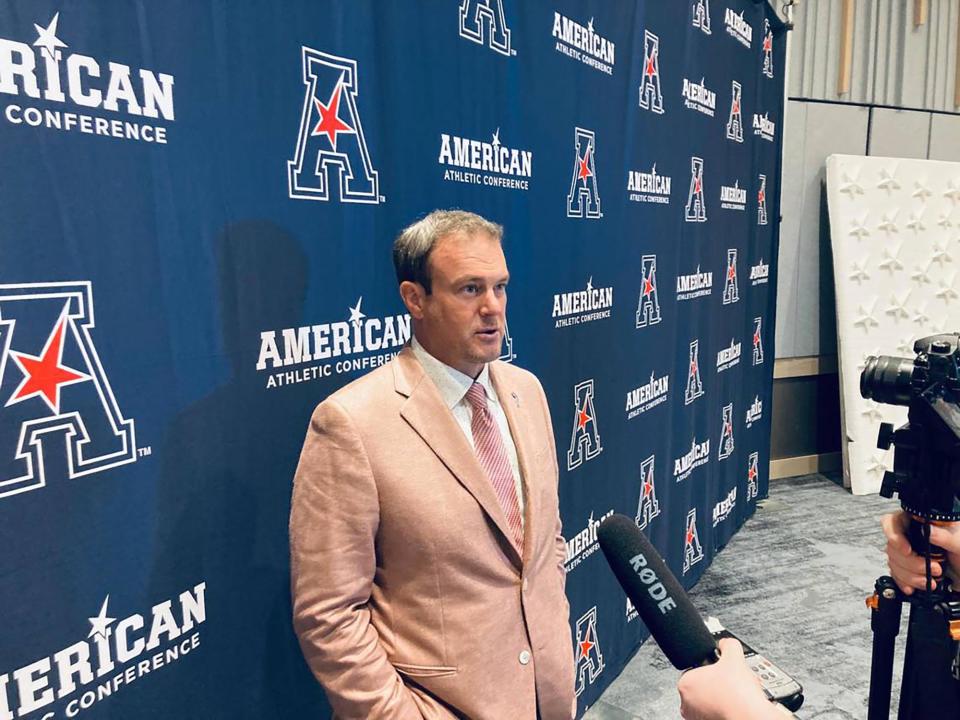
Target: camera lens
887, 380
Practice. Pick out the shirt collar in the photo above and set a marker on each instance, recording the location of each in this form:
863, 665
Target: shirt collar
451, 383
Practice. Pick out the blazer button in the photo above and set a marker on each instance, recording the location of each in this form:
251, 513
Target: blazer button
524, 657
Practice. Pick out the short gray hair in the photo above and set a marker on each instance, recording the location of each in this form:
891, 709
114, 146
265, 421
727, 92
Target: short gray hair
412, 248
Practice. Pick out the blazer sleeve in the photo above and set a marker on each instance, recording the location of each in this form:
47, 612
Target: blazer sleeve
333, 522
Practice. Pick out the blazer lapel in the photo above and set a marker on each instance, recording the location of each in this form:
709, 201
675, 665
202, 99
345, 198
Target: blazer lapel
426, 413
510, 401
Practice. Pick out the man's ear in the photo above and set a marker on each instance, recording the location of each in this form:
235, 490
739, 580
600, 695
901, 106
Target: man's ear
414, 295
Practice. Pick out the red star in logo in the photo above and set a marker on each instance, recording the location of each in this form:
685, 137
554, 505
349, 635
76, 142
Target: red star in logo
768, 43
44, 375
693, 367
752, 472
650, 70
330, 122
761, 196
647, 287
732, 272
690, 536
648, 485
697, 185
756, 339
585, 644
736, 107
583, 418
584, 171
728, 428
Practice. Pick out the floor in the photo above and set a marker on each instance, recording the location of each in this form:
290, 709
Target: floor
792, 583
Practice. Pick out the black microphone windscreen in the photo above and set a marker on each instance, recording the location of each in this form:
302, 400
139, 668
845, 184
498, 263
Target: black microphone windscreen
660, 600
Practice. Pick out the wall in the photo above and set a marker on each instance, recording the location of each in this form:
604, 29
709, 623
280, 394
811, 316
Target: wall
901, 103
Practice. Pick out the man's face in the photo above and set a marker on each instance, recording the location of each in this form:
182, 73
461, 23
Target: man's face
461, 322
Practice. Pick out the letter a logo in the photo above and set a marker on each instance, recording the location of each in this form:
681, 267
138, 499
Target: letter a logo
331, 148
757, 341
762, 201
694, 383
696, 210
726, 433
648, 309
753, 476
648, 507
701, 16
55, 397
585, 441
731, 290
583, 200
692, 550
485, 17
735, 123
587, 651
650, 96
506, 348
767, 49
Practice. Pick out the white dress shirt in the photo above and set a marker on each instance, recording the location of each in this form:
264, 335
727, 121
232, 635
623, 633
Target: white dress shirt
453, 386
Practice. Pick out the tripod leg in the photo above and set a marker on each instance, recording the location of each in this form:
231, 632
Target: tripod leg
886, 605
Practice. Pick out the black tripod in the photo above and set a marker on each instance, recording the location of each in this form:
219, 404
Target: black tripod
929, 688
926, 475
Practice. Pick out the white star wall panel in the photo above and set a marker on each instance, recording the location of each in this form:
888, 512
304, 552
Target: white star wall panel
895, 232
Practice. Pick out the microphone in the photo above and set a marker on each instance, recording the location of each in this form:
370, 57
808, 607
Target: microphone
673, 621
660, 601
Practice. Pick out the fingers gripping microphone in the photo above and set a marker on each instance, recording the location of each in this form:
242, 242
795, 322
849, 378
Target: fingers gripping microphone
661, 602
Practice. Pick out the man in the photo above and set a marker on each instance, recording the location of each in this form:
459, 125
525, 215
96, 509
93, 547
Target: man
426, 553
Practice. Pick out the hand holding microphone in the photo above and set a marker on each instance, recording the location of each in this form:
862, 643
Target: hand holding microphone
724, 685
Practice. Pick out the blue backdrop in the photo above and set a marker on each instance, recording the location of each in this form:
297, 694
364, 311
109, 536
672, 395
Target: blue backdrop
199, 200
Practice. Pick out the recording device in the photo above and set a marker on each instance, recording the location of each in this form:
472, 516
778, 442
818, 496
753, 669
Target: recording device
666, 610
926, 469
926, 475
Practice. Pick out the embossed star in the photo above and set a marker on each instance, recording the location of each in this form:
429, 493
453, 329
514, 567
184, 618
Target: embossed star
946, 291
921, 191
887, 181
916, 222
887, 223
872, 412
920, 317
876, 468
865, 319
921, 274
859, 273
891, 260
850, 186
897, 309
858, 228
940, 253
945, 221
905, 347
952, 191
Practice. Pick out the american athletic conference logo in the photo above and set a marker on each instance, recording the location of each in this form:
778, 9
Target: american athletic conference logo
80, 81
650, 96
54, 389
483, 22
648, 507
583, 200
735, 121
701, 16
696, 209
767, 48
692, 550
331, 147
585, 440
648, 307
588, 653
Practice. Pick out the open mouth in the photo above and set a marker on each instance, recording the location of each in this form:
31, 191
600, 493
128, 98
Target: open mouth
488, 332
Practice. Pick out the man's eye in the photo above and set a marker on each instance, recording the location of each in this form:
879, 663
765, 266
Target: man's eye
470, 289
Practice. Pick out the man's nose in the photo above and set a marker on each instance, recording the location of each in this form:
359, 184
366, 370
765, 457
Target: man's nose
493, 302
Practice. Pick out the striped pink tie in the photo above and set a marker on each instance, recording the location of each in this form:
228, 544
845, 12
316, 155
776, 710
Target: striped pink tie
493, 458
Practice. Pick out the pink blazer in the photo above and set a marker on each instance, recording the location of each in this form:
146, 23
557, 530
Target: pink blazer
408, 598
